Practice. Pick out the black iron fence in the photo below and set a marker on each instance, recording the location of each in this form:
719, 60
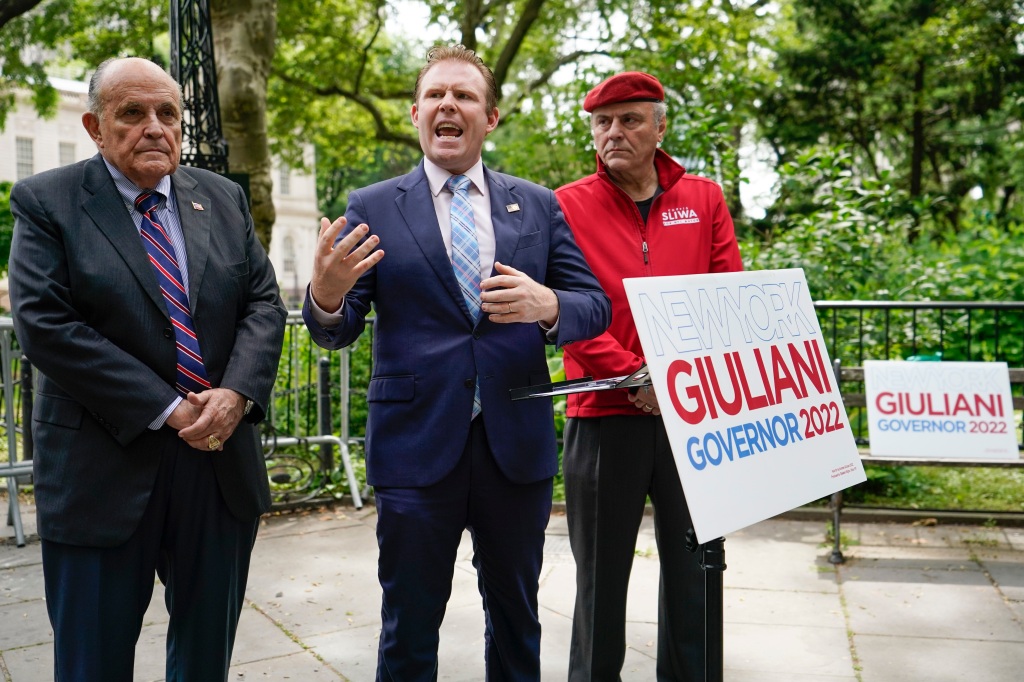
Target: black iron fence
856, 331
889, 330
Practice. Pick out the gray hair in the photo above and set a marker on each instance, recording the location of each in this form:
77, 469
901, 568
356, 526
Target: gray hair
660, 113
97, 100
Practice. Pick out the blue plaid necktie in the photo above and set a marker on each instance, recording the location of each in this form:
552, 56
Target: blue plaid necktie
465, 254
191, 372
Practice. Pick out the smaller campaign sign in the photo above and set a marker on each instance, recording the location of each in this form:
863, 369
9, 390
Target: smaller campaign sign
961, 410
745, 387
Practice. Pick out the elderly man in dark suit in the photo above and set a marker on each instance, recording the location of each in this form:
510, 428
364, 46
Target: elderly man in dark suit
446, 447
141, 293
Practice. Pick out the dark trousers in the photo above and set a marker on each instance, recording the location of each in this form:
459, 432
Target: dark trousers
611, 465
96, 596
418, 533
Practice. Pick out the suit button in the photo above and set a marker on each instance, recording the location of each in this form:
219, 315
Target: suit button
168, 334
476, 334
469, 383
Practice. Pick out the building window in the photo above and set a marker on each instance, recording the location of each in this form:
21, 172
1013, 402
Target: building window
25, 157
288, 260
285, 184
67, 153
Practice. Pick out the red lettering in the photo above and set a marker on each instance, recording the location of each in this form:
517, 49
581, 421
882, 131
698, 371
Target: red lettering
734, 406
885, 404
961, 404
908, 407
704, 385
805, 368
781, 377
755, 401
696, 415
994, 406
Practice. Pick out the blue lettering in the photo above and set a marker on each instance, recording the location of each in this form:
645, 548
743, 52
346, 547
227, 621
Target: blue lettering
713, 437
764, 430
742, 439
794, 427
923, 425
700, 463
754, 441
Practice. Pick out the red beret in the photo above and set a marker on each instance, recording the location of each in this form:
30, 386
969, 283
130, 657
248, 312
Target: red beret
631, 86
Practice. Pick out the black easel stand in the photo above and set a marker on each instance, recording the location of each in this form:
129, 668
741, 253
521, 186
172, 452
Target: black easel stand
712, 560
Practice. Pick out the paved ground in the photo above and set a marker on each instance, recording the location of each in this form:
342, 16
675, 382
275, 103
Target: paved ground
913, 603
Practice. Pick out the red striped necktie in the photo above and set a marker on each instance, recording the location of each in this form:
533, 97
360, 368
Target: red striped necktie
191, 372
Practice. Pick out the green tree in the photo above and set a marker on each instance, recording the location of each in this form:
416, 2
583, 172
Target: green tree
713, 59
6, 225
80, 34
26, 30
928, 88
346, 84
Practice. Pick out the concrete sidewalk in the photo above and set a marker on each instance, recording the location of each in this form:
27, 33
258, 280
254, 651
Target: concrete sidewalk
911, 604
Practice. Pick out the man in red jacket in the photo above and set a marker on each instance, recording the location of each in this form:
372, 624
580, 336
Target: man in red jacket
639, 215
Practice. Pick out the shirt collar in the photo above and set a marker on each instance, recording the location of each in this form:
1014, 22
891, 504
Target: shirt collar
437, 176
129, 191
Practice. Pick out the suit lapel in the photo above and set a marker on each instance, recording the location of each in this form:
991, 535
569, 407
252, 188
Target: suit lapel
506, 216
107, 210
416, 205
196, 226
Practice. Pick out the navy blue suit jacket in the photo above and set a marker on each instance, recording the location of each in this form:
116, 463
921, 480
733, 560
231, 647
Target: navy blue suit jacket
426, 349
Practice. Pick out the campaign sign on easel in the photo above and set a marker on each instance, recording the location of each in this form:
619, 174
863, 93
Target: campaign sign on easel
753, 413
961, 410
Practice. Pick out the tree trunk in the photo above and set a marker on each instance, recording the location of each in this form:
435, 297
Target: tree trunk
244, 32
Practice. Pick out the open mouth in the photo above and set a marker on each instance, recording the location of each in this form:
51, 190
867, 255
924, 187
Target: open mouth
448, 131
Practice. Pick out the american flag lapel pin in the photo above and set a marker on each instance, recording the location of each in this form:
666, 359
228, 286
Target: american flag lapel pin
197, 206
511, 208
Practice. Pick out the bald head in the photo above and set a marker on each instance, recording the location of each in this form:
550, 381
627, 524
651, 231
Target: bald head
110, 68
134, 118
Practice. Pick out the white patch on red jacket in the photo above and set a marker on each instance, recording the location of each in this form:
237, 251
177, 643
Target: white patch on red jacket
679, 216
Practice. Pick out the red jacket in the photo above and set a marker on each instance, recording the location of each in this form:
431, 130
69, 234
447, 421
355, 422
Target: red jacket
688, 231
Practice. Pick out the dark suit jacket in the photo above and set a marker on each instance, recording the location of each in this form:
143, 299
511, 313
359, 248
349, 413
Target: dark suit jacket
426, 349
89, 315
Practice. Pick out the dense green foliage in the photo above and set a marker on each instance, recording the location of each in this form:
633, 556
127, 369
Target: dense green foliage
925, 488
6, 225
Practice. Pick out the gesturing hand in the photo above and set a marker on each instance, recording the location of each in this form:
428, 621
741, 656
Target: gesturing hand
512, 296
336, 267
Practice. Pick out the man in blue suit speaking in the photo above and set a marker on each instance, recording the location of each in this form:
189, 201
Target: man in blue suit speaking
481, 270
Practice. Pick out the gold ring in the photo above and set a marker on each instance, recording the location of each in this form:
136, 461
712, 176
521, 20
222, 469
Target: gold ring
509, 307
214, 442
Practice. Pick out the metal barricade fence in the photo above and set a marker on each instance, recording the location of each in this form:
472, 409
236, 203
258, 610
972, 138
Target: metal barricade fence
15, 403
309, 420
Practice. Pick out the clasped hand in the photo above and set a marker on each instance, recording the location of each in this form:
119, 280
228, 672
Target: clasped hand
208, 418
